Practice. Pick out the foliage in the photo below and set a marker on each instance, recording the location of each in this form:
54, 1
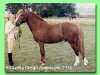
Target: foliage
44, 9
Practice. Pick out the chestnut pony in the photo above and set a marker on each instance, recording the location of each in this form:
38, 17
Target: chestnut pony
46, 33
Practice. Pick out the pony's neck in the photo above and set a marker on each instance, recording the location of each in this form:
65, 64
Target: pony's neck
34, 21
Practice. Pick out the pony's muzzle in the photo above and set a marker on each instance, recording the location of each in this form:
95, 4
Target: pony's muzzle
17, 24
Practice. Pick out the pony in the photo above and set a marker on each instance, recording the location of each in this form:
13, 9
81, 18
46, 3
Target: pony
45, 33
71, 17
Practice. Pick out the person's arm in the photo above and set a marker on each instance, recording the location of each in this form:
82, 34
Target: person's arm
12, 29
7, 28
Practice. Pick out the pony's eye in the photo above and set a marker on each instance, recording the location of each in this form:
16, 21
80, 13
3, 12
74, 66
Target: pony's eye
22, 15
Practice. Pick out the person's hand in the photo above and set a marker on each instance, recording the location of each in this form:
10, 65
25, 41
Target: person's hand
11, 30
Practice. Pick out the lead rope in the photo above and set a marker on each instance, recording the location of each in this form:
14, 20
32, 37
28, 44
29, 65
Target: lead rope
19, 35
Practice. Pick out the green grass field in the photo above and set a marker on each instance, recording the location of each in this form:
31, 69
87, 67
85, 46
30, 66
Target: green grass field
59, 56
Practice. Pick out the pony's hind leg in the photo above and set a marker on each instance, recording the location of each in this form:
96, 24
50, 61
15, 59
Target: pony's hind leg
85, 61
83, 57
76, 51
82, 53
42, 51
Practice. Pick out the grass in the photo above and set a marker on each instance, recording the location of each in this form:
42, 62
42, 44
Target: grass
59, 56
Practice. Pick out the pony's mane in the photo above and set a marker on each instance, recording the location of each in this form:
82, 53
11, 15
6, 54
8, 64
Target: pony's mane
35, 15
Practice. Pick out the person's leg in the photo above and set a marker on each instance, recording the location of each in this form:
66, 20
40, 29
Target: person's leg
10, 48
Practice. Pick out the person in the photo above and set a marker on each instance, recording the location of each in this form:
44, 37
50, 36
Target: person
9, 31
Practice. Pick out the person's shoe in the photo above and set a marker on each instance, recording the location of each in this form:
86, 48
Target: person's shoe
10, 59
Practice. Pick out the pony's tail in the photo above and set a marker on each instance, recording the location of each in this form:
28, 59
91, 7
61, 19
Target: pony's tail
81, 43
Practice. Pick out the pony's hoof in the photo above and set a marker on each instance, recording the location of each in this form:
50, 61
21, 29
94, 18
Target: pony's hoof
85, 62
76, 64
43, 64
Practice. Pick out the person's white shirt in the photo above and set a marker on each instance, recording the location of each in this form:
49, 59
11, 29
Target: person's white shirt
9, 29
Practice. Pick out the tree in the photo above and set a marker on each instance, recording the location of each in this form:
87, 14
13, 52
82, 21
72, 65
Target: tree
44, 9
14, 7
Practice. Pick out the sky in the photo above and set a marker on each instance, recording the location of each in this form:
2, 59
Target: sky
85, 5
85, 8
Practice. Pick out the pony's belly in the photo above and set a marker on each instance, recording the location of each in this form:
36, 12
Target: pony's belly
53, 39
49, 40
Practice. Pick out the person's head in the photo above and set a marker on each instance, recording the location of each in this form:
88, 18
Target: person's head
6, 19
11, 17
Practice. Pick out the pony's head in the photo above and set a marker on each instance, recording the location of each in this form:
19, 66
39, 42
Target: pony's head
20, 17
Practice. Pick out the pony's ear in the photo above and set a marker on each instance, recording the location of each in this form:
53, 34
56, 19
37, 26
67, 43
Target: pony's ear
23, 9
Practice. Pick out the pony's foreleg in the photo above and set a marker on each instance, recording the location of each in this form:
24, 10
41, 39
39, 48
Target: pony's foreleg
42, 51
